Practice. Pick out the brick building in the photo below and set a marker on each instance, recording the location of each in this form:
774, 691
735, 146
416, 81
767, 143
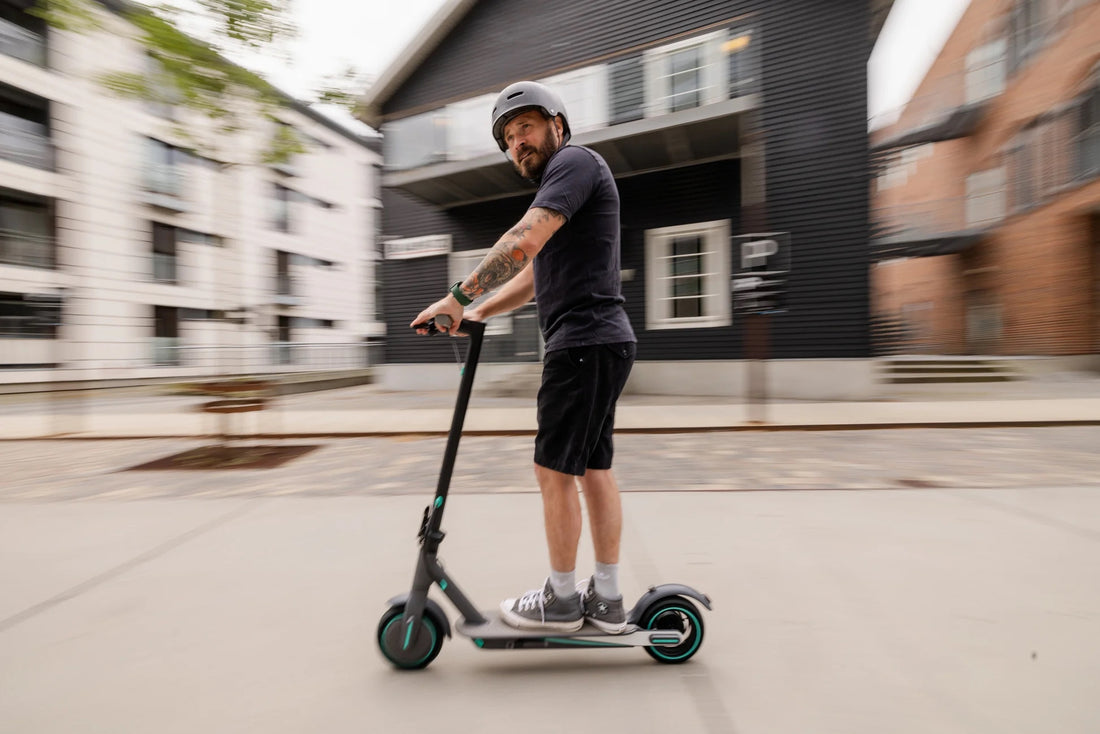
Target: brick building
986, 202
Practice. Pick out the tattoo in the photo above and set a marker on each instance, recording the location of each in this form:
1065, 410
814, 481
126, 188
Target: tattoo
507, 258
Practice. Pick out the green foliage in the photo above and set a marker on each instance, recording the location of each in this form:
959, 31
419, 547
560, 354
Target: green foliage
194, 74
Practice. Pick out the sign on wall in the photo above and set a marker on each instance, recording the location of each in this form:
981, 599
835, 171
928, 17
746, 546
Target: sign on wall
410, 247
761, 263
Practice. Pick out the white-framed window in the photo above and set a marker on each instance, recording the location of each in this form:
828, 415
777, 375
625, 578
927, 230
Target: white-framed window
686, 74
459, 266
688, 276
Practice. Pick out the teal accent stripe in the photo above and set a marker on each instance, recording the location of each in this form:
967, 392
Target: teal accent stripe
443, 584
438, 501
582, 642
479, 642
408, 636
665, 641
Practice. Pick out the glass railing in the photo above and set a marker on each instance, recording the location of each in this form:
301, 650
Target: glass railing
164, 179
25, 147
663, 80
164, 267
166, 350
26, 250
22, 43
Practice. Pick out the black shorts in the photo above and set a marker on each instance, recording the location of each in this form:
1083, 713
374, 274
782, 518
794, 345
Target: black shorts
580, 386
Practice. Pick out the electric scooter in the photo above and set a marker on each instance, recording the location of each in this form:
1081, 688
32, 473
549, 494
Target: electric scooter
663, 622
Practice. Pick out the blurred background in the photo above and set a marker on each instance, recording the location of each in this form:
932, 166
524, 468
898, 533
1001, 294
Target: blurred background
924, 176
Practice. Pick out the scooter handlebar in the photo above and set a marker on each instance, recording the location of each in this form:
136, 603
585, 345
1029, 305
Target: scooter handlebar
470, 328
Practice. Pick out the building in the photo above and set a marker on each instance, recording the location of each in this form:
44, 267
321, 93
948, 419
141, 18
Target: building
130, 251
987, 198
718, 119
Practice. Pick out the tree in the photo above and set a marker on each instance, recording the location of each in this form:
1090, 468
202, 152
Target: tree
198, 75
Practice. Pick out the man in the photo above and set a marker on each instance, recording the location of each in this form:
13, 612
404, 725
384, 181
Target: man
570, 235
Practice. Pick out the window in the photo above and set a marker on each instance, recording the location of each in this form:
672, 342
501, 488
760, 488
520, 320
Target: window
22, 36
985, 197
1029, 23
627, 94
25, 129
688, 276
164, 253
281, 199
163, 172
985, 71
1022, 163
687, 74
26, 231
29, 316
1087, 139
166, 343
743, 61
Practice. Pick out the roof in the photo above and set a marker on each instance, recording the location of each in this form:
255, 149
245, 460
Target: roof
445, 20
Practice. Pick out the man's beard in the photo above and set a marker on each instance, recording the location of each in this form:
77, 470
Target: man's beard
533, 166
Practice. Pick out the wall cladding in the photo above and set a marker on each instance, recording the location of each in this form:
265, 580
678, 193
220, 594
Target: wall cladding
814, 126
502, 41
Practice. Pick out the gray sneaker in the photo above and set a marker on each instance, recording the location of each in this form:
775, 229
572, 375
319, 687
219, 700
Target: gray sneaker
542, 609
606, 614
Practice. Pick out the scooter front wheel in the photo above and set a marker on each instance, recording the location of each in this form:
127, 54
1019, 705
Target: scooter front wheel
394, 640
674, 613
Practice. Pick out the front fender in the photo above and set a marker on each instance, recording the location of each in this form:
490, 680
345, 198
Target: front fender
430, 607
664, 591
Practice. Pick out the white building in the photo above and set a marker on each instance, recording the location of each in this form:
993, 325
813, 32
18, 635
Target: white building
129, 251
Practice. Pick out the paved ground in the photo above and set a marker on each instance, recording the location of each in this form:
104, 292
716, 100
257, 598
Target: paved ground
717, 461
933, 581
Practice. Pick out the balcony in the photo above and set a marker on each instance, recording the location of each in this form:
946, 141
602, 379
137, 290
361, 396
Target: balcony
166, 351
22, 43
670, 105
937, 227
951, 107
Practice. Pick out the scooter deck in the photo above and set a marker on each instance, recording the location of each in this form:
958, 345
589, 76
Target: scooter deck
499, 635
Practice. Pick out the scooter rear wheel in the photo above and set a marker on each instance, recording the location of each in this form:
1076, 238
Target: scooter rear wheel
674, 613
392, 640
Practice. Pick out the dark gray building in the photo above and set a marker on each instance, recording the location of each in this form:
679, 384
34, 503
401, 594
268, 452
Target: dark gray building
719, 118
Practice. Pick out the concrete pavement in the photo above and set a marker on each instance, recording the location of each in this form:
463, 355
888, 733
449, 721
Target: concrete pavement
849, 612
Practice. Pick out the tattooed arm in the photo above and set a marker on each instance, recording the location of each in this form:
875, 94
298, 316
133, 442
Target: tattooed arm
513, 251
510, 256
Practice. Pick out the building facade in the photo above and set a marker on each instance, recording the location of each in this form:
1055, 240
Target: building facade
136, 242
987, 197
718, 119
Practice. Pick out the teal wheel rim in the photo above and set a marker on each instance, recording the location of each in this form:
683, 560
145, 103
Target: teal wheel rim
675, 653
430, 628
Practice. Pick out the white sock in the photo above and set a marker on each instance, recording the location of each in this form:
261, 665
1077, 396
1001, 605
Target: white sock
607, 580
564, 583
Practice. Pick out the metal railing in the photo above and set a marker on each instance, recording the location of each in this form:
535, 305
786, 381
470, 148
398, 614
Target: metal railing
166, 351
22, 43
25, 147
26, 249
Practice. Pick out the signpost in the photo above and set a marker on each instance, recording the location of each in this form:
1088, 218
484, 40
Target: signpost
759, 288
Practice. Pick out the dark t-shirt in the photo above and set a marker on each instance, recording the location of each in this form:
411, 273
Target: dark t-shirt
578, 286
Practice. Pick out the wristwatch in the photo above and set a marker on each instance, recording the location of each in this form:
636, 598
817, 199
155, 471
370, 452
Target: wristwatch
456, 291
